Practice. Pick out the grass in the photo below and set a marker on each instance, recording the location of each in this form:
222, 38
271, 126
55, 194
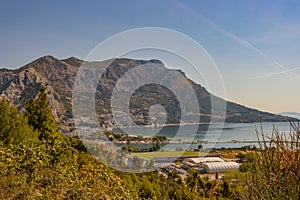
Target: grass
230, 153
274, 172
156, 154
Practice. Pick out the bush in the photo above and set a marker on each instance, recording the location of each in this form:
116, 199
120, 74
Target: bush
274, 171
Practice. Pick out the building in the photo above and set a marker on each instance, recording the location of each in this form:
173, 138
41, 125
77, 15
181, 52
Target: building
210, 164
214, 167
204, 160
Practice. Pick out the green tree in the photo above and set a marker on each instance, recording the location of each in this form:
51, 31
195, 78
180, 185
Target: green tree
207, 188
193, 181
14, 126
40, 116
217, 175
7, 120
146, 190
200, 147
225, 190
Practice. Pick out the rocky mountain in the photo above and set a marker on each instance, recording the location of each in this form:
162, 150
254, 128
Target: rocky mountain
59, 75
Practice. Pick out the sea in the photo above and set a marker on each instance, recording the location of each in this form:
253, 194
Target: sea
189, 136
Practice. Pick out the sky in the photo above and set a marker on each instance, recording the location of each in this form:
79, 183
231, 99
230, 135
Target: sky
255, 44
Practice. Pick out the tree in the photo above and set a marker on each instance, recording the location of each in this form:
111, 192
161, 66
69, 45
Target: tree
240, 157
40, 116
207, 187
7, 120
146, 190
193, 181
14, 126
225, 190
200, 147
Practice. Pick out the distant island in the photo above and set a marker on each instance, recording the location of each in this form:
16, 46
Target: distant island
291, 114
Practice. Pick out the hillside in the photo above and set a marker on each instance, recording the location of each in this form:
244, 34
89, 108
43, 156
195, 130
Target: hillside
37, 162
59, 75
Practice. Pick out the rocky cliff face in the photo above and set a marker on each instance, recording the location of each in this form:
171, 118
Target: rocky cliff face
24, 83
59, 75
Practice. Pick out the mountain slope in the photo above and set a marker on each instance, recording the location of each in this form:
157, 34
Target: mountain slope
59, 75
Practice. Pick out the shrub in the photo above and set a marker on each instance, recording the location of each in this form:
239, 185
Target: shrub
274, 171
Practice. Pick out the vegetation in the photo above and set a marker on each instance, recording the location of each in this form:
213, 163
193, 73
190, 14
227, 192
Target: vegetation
37, 162
154, 186
14, 127
154, 154
272, 170
40, 116
118, 137
211, 189
131, 148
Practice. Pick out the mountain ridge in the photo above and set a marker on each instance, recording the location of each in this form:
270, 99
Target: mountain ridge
58, 76
291, 114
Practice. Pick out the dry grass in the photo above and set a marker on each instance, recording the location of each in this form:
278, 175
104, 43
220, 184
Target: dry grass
275, 171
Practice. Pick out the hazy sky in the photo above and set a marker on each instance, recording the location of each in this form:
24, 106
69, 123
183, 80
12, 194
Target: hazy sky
255, 44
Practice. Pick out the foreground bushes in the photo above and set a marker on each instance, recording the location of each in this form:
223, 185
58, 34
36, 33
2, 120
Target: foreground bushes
37, 162
274, 168
50, 172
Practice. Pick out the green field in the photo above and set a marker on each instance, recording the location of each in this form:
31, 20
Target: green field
151, 155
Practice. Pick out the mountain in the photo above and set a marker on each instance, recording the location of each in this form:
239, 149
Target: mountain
291, 114
59, 75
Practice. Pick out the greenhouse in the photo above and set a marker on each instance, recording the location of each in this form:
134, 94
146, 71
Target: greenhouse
204, 160
214, 167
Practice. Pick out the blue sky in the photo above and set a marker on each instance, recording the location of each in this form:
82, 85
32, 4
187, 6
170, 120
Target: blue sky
254, 43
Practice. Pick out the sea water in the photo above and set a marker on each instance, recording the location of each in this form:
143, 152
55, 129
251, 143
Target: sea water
188, 136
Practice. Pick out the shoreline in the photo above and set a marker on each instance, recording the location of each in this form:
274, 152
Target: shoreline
198, 123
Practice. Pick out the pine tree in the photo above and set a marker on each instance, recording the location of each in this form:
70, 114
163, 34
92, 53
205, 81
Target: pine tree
7, 120
40, 116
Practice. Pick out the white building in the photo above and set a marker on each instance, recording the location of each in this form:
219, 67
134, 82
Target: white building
210, 164
214, 167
